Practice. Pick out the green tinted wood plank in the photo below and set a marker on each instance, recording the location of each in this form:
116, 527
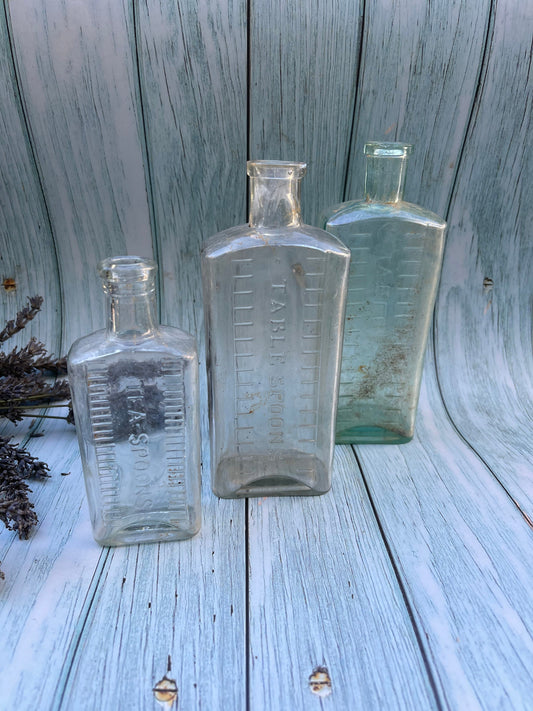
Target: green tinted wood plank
324, 593
483, 320
419, 69
77, 69
462, 550
28, 264
303, 72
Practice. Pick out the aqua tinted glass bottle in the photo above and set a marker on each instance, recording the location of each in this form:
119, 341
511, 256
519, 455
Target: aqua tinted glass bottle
135, 398
274, 294
396, 250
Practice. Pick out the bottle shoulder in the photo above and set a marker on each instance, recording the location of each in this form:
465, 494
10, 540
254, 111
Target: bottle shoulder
244, 237
360, 210
166, 340
89, 344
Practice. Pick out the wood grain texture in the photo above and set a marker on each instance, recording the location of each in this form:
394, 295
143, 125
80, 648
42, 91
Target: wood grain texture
462, 550
87, 625
323, 593
410, 581
419, 69
77, 70
192, 59
192, 63
157, 605
483, 320
48, 578
27, 250
304, 61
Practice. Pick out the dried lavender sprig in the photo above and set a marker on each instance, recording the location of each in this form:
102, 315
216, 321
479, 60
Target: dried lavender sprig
22, 318
18, 388
21, 361
16, 510
33, 389
30, 359
22, 387
22, 415
27, 466
33, 404
16, 465
19, 394
57, 366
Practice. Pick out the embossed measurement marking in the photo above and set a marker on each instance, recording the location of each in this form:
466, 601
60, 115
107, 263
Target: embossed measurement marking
175, 450
310, 355
243, 351
373, 306
102, 426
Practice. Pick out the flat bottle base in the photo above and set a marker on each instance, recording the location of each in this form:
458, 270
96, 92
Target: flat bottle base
145, 533
240, 477
371, 435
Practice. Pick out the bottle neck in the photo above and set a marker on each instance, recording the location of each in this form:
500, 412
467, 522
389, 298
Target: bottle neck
129, 284
385, 178
275, 194
131, 316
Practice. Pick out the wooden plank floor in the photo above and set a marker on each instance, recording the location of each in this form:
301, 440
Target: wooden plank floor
409, 582
125, 127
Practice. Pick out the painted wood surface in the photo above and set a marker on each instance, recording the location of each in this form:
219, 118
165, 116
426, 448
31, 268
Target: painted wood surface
76, 66
28, 261
192, 61
192, 68
50, 582
125, 126
483, 320
461, 548
304, 63
323, 592
420, 65
176, 610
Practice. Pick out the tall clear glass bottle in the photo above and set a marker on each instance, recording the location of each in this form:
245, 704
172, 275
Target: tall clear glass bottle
135, 398
396, 252
274, 294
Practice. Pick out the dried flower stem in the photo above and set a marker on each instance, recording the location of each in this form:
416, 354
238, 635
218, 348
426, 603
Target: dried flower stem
23, 317
23, 389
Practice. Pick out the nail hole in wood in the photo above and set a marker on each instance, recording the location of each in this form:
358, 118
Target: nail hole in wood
320, 682
166, 692
9, 284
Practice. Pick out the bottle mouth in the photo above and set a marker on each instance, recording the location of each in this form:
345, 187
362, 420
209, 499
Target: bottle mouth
127, 276
388, 150
276, 169
127, 269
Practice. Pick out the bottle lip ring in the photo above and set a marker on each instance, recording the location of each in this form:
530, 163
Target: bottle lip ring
275, 169
388, 149
127, 268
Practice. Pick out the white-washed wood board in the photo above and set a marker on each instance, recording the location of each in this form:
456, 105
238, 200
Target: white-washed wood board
125, 127
76, 66
484, 316
27, 254
304, 62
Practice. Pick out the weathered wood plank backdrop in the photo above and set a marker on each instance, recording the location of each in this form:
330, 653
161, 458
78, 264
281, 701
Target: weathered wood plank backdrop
124, 128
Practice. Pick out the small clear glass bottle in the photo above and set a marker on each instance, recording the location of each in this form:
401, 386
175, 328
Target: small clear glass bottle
135, 398
396, 252
274, 295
